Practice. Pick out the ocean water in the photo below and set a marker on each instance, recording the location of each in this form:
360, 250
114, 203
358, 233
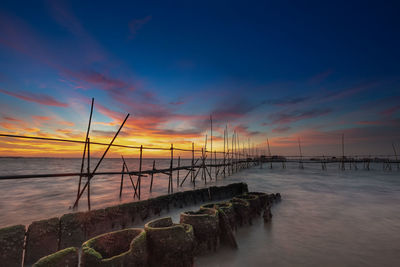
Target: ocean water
325, 218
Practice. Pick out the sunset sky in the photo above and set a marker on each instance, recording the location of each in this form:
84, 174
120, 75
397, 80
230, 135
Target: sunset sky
281, 70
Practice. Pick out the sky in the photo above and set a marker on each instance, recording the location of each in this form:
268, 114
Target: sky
282, 70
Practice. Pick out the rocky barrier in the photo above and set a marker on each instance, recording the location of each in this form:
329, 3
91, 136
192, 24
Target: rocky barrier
73, 229
164, 243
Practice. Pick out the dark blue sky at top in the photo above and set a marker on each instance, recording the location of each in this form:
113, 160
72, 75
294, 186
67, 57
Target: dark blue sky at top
266, 67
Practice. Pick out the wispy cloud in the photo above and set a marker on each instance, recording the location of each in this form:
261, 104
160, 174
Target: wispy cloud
281, 129
95, 79
286, 101
320, 77
36, 98
136, 24
284, 117
390, 111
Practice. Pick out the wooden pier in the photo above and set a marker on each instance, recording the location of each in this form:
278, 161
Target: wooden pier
209, 165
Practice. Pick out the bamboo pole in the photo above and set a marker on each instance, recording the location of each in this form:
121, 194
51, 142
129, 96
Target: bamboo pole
122, 180
152, 175
233, 151
130, 178
224, 153
177, 176
84, 150
269, 154
395, 155
301, 166
343, 165
171, 169
88, 171
215, 163
192, 170
139, 186
99, 162
211, 143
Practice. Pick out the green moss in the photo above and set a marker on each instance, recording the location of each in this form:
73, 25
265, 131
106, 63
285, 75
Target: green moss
50, 260
91, 251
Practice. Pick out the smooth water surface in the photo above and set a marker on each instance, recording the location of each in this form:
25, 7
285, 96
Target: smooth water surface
325, 218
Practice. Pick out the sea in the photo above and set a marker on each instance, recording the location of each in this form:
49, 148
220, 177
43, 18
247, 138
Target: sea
326, 217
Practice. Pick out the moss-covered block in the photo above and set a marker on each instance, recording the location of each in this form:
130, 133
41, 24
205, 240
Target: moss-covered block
72, 228
198, 196
64, 258
169, 244
143, 209
11, 245
126, 247
263, 198
158, 204
227, 208
205, 225
178, 200
253, 200
41, 239
242, 211
121, 216
189, 197
225, 230
96, 223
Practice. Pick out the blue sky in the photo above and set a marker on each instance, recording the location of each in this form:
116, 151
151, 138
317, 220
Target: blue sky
283, 70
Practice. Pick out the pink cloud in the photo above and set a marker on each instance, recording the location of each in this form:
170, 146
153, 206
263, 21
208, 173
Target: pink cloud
36, 98
94, 79
390, 111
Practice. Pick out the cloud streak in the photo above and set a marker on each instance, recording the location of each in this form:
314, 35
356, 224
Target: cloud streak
36, 98
285, 117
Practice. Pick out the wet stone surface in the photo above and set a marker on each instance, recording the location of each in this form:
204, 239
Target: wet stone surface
11, 245
169, 244
126, 247
42, 239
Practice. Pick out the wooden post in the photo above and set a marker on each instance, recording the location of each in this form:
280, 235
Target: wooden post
215, 163
88, 171
227, 148
395, 155
84, 150
192, 170
301, 166
233, 151
177, 176
140, 171
237, 153
248, 152
122, 180
152, 175
203, 174
99, 162
135, 188
211, 144
343, 166
170, 186
224, 152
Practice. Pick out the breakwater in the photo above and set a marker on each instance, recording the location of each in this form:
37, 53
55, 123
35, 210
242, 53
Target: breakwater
164, 243
19, 244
